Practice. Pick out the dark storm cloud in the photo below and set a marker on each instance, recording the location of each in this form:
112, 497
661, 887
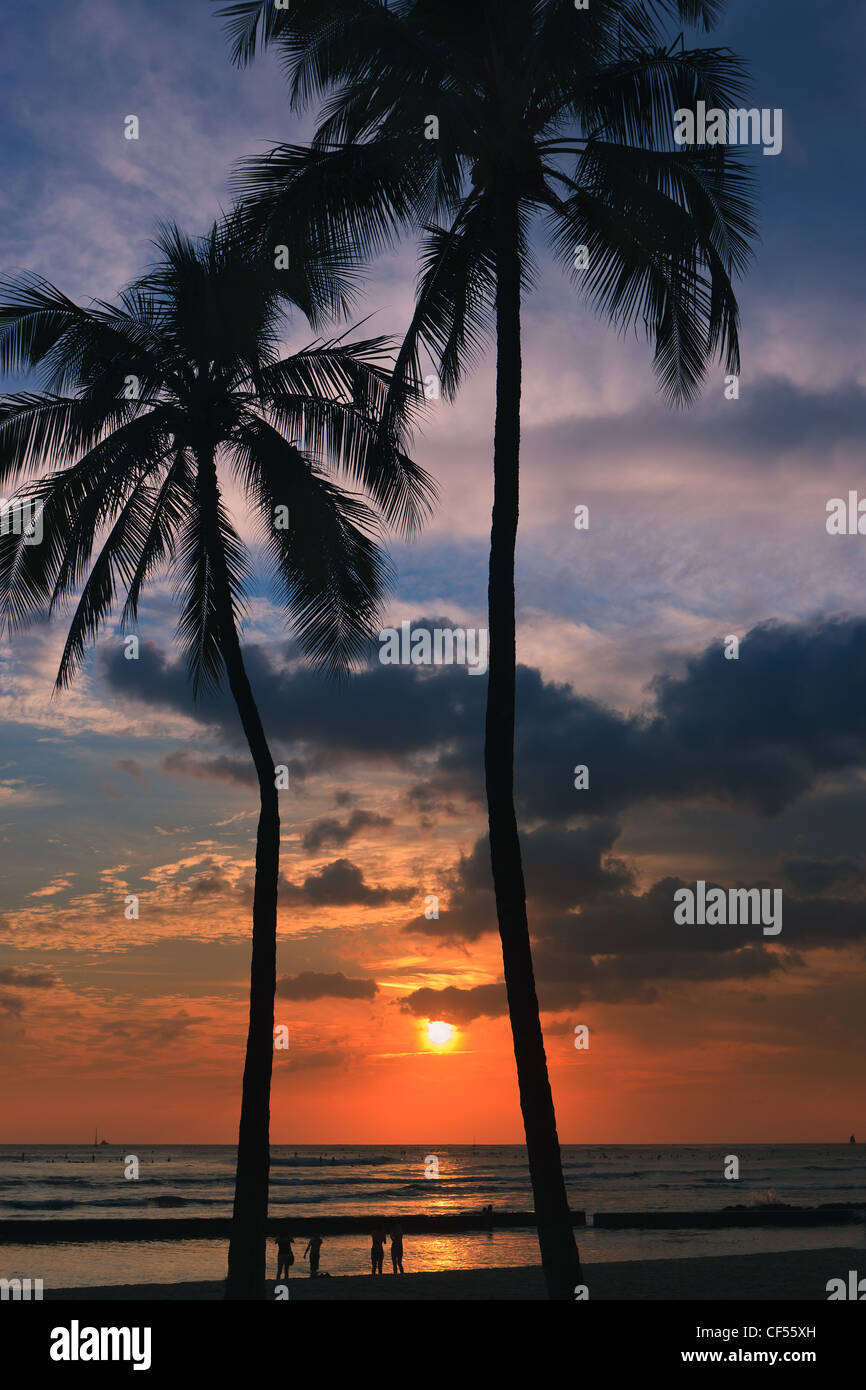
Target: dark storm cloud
649, 944
564, 983
814, 877
562, 868
332, 833
312, 984
757, 732
384, 711
620, 942
341, 884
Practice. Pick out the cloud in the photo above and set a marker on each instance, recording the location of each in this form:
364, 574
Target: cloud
312, 984
341, 884
315, 1059
454, 1005
158, 1033
774, 416
132, 768
216, 769
814, 877
27, 979
211, 885
561, 867
331, 833
758, 732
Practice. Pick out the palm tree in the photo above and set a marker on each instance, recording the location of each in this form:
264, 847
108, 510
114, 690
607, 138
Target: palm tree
143, 405
464, 120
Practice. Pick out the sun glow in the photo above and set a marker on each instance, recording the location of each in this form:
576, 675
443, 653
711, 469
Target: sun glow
439, 1034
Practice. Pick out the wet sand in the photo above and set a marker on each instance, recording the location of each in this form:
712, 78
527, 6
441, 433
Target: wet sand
794, 1275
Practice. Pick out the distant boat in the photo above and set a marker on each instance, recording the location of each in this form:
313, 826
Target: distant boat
97, 1142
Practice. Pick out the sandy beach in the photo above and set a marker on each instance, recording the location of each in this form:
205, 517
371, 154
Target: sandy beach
796, 1275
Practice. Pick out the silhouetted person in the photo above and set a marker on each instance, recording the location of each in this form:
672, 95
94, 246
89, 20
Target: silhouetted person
314, 1245
285, 1256
397, 1248
488, 1216
377, 1249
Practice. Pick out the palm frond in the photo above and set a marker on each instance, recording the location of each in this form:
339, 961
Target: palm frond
655, 242
74, 504
332, 572
116, 563
199, 628
353, 198
330, 400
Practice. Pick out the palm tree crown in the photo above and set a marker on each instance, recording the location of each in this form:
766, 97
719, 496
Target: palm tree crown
570, 111
138, 397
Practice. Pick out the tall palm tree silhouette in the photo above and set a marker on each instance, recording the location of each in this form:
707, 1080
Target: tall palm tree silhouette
465, 120
143, 405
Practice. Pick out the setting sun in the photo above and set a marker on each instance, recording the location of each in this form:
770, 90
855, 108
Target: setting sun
439, 1033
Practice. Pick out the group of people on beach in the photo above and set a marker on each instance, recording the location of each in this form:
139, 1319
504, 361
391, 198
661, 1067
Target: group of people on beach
378, 1239
286, 1255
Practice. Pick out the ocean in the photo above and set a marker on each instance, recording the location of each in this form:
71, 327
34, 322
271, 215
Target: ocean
39, 1182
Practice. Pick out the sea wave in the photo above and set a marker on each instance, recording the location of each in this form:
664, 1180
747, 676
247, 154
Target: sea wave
333, 1162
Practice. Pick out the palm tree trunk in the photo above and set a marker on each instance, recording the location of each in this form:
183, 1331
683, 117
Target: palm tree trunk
247, 1246
559, 1253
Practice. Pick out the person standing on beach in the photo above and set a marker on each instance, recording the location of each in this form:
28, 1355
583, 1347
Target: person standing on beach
314, 1245
285, 1257
397, 1248
377, 1248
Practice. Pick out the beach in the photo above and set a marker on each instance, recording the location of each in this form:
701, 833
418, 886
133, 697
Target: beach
798, 1275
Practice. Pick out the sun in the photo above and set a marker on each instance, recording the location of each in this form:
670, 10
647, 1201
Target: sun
439, 1033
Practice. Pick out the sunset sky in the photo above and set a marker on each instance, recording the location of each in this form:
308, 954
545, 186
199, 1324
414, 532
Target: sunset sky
702, 524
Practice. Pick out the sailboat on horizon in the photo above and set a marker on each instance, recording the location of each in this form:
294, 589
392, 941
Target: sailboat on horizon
97, 1142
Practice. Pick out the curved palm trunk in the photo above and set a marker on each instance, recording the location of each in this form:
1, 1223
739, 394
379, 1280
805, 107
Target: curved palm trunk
559, 1254
247, 1246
